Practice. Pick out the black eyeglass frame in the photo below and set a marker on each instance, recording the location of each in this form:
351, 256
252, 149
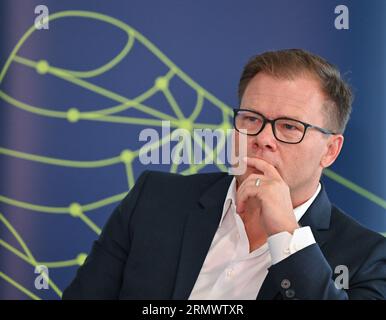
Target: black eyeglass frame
272, 122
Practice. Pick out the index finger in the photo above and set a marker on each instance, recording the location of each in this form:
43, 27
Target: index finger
268, 169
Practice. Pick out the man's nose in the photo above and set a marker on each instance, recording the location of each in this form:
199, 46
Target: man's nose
266, 138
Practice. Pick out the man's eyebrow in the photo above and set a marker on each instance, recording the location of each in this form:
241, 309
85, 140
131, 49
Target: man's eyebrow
289, 117
294, 117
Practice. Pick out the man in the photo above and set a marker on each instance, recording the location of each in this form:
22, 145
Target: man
270, 233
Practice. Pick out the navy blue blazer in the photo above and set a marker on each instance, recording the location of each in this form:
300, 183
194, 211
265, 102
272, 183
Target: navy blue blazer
155, 243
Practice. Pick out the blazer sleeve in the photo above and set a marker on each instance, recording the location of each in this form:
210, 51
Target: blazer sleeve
307, 275
100, 277
369, 282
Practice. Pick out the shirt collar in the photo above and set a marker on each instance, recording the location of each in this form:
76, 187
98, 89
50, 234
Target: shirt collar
301, 210
230, 199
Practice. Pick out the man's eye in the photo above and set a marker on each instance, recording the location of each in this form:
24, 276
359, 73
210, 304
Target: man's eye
289, 126
251, 119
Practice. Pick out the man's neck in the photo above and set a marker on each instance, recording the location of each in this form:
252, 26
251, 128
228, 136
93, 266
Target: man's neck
298, 197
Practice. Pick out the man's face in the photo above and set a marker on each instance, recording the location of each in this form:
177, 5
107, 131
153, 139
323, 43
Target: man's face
300, 165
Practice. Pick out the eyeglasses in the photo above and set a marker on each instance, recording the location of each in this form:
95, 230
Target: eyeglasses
284, 129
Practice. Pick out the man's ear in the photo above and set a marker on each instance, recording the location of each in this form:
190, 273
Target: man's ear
333, 148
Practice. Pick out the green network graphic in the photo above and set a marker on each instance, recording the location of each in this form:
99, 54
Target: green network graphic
109, 115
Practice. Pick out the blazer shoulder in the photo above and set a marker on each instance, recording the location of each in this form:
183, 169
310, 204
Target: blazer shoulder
208, 176
168, 180
352, 230
162, 185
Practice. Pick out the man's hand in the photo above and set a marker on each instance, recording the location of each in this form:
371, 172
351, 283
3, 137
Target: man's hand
269, 203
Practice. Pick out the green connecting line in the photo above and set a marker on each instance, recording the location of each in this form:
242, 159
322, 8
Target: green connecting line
132, 35
16, 252
198, 107
354, 187
209, 155
75, 209
130, 175
33, 207
62, 210
109, 65
56, 264
125, 120
60, 114
64, 75
17, 237
19, 286
74, 115
177, 154
109, 94
87, 164
82, 74
173, 103
29, 256
32, 109
124, 106
206, 126
107, 115
90, 223
60, 162
104, 202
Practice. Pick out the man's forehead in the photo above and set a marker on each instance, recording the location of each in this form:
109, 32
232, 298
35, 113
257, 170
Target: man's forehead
294, 100
279, 106
298, 101
299, 95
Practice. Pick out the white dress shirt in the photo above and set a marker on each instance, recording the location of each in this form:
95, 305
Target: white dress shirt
230, 271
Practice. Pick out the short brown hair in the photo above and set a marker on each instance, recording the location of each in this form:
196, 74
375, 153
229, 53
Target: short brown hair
290, 63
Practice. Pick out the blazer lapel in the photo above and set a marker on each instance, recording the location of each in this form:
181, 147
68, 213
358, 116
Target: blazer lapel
317, 217
200, 228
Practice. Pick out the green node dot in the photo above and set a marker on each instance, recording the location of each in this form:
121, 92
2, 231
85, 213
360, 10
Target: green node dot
73, 115
127, 156
75, 209
161, 83
42, 67
225, 126
186, 124
81, 257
